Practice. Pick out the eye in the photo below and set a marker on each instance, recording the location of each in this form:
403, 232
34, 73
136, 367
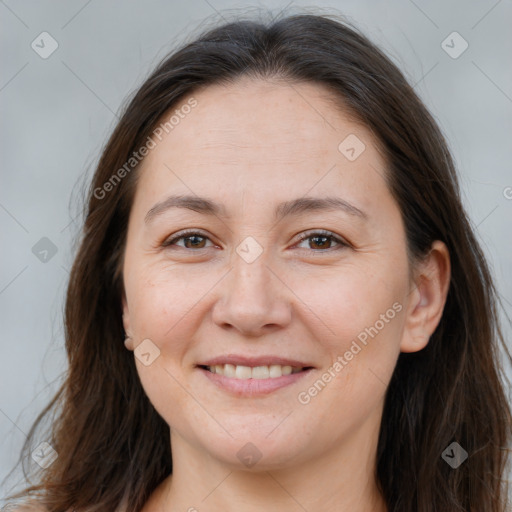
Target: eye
322, 239
193, 240
196, 240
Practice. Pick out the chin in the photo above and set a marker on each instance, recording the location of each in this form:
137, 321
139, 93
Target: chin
256, 450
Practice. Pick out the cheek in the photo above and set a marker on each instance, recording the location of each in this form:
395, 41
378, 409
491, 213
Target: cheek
163, 311
163, 304
164, 388
360, 315
345, 303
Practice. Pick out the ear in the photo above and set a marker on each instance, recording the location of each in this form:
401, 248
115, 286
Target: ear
427, 298
129, 342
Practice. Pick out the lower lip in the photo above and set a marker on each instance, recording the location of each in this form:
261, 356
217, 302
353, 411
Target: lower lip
253, 387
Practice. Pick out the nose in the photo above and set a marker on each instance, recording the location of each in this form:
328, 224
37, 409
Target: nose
254, 300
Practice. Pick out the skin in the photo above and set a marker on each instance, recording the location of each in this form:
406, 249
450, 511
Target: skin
250, 146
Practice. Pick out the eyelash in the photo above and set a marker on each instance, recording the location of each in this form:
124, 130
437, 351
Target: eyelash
305, 236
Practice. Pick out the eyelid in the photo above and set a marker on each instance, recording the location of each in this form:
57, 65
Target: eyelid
329, 234
304, 235
170, 240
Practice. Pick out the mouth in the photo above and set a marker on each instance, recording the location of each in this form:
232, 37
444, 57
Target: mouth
242, 376
242, 372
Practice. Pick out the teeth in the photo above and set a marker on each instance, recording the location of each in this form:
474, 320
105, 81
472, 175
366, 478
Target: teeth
275, 370
229, 371
243, 372
260, 372
256, 372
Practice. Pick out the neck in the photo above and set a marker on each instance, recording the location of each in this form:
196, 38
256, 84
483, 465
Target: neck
342, 479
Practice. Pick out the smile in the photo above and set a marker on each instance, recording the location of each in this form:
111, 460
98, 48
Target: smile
257, 372
248, 377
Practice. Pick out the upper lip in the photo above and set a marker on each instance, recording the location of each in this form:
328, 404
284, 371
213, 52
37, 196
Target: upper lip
239, 360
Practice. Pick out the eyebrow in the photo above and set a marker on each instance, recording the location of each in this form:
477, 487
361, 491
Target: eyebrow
293, 207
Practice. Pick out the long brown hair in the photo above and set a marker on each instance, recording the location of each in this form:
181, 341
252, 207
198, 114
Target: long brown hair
114, 449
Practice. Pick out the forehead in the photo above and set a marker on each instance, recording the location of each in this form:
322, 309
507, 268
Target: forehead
256, 114
263, 138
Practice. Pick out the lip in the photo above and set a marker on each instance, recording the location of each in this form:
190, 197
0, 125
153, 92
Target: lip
239, 360
253, 387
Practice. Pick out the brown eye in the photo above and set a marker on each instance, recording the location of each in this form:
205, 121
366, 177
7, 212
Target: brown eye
322, 240
192, 240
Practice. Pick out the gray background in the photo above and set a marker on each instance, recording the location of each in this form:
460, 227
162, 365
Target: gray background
57, 112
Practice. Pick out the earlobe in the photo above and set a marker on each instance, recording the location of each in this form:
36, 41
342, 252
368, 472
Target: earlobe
128, 343
428, 298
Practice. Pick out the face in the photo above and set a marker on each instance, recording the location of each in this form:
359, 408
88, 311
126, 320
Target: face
222, 298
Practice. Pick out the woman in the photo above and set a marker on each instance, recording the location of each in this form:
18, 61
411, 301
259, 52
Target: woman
275, 231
